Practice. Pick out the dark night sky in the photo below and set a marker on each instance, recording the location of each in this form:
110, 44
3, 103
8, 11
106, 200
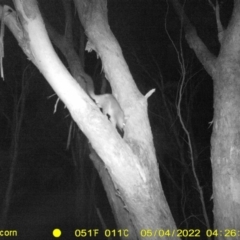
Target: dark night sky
143, 28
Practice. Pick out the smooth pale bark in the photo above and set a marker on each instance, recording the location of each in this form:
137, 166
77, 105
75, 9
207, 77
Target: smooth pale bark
130, 162
93, 15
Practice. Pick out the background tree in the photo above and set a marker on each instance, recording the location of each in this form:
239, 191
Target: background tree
224, 70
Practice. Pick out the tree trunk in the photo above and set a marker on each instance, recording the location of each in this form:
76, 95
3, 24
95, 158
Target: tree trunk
225, 141
226, 145
129, 164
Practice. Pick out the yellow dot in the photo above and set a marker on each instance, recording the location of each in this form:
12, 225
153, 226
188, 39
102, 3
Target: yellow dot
57, 232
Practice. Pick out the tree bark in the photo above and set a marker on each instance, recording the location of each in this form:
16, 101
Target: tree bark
225, 141
130, 162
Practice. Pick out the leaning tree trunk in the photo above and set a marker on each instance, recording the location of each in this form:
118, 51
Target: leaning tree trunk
129, 164
93, 16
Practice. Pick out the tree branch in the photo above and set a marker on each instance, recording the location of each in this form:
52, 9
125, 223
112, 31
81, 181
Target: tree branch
65, 45
68, 20
207, 59
231, 38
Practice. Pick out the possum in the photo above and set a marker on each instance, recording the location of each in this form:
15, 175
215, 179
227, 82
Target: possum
108, 103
